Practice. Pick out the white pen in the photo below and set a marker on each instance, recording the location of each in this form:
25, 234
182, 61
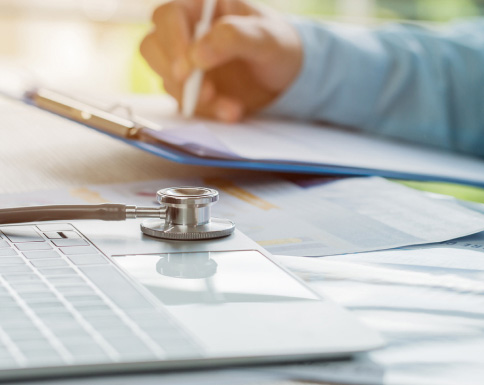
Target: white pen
191, 90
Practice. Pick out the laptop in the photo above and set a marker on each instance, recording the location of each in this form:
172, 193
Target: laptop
87, 297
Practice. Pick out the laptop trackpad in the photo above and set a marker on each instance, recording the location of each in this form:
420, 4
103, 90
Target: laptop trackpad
239, 302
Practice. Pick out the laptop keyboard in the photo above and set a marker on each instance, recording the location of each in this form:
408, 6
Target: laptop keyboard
63, 302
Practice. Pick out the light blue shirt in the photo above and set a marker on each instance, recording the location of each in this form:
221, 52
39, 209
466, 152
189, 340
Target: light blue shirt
400, 81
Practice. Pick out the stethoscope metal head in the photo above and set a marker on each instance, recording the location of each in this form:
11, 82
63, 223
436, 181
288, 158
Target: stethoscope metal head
188, 215
184, 214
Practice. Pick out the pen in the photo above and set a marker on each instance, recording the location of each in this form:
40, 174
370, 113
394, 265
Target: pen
191, 90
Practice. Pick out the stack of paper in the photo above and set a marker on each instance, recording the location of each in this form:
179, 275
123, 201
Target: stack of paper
427, 303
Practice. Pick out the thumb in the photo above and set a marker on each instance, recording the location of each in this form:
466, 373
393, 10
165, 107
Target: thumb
231, 37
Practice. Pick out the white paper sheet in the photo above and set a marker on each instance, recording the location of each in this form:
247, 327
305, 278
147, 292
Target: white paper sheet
279, 140
426, 301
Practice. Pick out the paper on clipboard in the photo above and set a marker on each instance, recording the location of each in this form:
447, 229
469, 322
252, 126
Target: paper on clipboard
284, 142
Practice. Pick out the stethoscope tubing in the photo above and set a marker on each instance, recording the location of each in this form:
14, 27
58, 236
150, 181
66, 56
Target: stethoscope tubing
104, 212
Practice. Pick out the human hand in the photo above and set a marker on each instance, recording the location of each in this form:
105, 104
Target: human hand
251, 55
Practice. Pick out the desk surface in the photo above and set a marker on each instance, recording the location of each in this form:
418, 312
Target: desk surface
49, 159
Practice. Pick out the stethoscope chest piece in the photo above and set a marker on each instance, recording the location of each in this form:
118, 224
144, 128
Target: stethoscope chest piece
188, 216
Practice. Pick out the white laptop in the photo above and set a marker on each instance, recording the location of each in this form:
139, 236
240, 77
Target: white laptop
95, 297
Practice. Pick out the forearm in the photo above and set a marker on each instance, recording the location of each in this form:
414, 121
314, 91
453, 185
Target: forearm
403, 82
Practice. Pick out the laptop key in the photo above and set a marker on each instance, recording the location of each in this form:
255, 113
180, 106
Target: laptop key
24, 334
25, 287
40, 295
119, 331
69, 234
7, 252
11, 261
87, 348
57, 271
76, 298
44, 358
8, 363
41, 254
96, 259
13, 313
33, 246
15, 269
79, 250
22, 277
20, 234
69, 242
75, 289
58, 318
65, 280
116, 287
22, 321
132, 347
53, 235
35, 344
106, 323
7, 301
89, 307
52, 306
49, 263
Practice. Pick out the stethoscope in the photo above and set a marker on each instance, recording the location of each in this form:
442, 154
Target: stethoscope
184, 214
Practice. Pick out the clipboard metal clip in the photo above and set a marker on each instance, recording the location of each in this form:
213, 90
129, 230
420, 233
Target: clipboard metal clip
104, 120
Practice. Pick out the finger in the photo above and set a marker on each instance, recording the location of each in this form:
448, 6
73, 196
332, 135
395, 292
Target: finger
207, 92
237, 7
223, 108
193, 8
174, 34
151, 52
175, 89
232, 37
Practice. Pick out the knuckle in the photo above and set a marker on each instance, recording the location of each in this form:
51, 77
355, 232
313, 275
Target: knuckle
165, 11
171, 87
228, 29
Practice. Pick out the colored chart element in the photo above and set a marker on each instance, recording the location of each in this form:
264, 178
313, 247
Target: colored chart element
87, 195
240, 193
468, 193
275, 242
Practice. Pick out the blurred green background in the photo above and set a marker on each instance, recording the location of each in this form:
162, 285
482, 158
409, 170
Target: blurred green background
423, 10
81, 42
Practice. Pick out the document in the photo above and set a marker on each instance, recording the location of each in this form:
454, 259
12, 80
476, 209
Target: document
282, 141
426, 301
305, 216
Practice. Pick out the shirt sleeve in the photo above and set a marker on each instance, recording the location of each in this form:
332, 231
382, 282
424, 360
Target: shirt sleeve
401, 81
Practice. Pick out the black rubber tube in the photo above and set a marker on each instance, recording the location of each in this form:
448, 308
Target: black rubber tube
105, 212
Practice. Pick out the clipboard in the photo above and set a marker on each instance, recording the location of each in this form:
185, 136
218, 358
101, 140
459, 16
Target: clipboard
445, 166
